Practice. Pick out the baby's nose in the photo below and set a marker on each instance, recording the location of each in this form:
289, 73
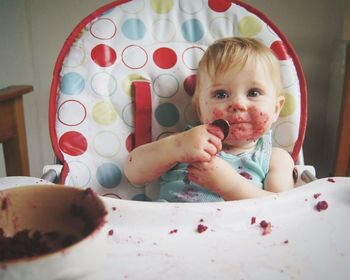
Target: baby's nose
237, 105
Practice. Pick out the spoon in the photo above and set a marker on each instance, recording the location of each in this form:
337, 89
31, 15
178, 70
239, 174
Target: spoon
223, 125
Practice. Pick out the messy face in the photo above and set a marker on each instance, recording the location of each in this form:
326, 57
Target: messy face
246, 97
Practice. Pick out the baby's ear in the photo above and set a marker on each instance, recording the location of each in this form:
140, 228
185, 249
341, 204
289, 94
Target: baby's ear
279, 104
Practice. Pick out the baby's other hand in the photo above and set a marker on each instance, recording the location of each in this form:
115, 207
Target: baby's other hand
212, 175
198, 144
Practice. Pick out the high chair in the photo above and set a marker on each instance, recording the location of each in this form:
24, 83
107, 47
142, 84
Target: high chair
124, 77
126, 74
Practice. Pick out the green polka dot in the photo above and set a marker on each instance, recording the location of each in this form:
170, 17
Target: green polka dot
104, 113
167, 114
289, 105
162, 6
249, 26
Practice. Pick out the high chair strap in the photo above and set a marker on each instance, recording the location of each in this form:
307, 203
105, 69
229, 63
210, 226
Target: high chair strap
143, 112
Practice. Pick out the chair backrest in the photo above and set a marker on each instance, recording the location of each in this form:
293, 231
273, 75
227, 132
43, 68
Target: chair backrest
154, 45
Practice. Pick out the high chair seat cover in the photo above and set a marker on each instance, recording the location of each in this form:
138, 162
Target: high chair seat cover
160, 42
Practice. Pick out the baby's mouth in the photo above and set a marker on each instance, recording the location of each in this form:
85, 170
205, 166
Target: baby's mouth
234, 120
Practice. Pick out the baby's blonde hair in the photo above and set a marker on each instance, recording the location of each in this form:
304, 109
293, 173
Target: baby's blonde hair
231, 52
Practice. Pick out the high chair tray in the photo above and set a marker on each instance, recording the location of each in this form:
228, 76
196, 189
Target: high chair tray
221, 241
164, 240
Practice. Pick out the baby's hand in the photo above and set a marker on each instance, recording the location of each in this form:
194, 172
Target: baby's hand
198, 144
212, 175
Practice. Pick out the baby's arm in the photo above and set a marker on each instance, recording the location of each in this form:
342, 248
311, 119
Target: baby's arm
218, 176
147, 162
280, 176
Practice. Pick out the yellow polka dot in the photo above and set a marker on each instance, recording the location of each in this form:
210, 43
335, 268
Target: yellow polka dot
126, 83
249, 26
162, 6
104, 113
289, 105
285, 134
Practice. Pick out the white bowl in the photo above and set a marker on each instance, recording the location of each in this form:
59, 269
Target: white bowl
60, 211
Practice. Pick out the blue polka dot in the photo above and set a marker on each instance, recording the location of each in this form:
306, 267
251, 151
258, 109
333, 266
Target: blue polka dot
134, 29
72, 83
141, 197
192, 30
109, 175
167, 114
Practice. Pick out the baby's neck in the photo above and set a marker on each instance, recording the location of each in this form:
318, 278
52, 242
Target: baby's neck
236, 150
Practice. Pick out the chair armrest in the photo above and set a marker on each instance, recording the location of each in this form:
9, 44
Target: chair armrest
304, 174
52, 173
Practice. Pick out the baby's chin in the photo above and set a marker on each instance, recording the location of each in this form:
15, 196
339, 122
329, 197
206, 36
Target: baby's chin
240, 141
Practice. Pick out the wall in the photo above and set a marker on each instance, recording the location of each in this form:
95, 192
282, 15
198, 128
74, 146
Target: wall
335, 94
32, 33
346, 21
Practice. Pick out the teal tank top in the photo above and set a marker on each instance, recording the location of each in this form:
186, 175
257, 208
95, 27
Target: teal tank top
174, 186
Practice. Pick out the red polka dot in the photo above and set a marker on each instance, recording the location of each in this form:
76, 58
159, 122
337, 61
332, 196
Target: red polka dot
190, 84
130, 142
280, 50
73, 143
103, 55
164, 58
219, 5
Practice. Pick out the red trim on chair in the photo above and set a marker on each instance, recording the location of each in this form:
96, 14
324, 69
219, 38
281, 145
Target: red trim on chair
143, 112
302, 82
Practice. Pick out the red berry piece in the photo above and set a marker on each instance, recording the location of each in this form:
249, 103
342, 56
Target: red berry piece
321, 205
201, 228
316, 195
266, 226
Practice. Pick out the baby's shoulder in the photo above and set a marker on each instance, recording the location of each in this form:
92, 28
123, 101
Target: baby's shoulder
280, 157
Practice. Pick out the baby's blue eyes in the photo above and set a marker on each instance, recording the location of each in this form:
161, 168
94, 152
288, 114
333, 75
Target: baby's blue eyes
221, 94
253, 93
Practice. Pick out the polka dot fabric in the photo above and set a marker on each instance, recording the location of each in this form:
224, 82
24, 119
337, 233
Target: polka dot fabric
161, 41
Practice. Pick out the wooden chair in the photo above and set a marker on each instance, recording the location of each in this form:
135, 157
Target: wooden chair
12, 130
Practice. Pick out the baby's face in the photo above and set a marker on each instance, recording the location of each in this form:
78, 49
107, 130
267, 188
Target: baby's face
245, 97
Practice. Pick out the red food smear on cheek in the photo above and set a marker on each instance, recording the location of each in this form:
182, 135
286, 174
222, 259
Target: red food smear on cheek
254, 124
260, 122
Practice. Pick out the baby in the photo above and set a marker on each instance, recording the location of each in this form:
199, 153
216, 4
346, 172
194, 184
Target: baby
238, 81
